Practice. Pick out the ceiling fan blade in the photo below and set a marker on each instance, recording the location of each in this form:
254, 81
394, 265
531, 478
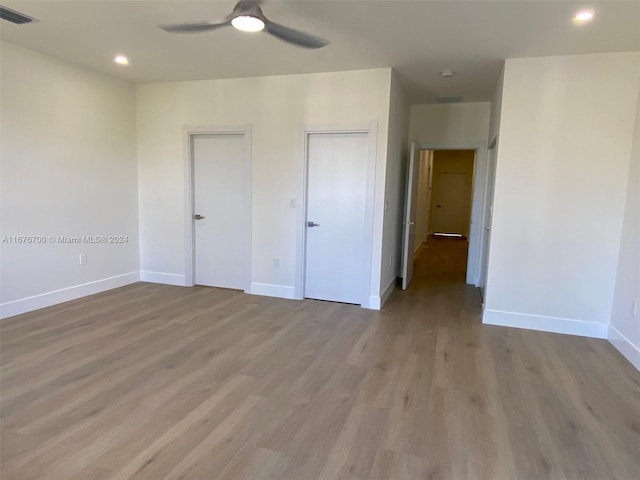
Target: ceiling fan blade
295, 37
196, 27
246, 4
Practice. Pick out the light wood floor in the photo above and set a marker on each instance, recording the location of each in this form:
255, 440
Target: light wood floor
159, 382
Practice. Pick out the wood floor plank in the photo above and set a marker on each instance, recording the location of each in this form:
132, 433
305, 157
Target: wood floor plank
169, 383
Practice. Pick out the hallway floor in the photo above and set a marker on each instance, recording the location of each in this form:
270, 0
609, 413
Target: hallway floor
441, 260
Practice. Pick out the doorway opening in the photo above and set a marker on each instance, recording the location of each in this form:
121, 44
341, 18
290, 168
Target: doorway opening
449, 195
445, 192
443, 218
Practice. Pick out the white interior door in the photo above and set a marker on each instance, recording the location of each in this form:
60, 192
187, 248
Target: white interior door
336, 205
409, 236
222, 205
487, 218
451, 204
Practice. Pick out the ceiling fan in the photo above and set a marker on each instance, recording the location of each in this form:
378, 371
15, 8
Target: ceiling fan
247, 16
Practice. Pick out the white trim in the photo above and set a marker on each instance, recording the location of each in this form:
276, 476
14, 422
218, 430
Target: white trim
269, 290
630, 351
545, 324
407, 256
36, 302
164, 278
477, 204
374, 303
377, 302
388, 291
486, 219
189, 191
371, 129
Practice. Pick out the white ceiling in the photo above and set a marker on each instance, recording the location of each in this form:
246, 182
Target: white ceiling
418, 38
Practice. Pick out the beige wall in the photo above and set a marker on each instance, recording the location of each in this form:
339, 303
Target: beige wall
452, 161
424, 196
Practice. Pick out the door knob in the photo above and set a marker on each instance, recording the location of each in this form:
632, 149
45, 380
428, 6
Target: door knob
312, 224
438, 206
197, 216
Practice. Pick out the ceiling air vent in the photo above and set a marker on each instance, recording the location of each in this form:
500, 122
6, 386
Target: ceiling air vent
15, 17
449, 99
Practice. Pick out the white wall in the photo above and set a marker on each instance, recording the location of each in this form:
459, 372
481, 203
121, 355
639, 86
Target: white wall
395, 184
625, 327
563, 162
276, 107
455, 123
489, 182
68, 164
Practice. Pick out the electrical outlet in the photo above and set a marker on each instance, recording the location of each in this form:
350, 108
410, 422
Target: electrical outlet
390, 261
292, 202
276, 262
386, 206
83, 259
634, 308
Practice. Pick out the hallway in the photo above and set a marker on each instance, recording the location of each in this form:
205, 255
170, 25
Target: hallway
438, 286
441, 260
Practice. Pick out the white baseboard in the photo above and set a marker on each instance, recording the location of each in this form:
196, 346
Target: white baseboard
36, 302
387, 292
630, 351
377, 302
545, 324
269, 290
164, 278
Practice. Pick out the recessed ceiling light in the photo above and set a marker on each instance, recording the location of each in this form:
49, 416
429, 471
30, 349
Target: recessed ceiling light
247, 23
447, 74
121, 60
583, 16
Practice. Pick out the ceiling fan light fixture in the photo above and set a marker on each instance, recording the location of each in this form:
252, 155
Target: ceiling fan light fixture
247, 23
247, 16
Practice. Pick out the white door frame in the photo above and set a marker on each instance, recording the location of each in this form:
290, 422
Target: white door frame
477, 203
408, 248
482, 259
371, 129
190, 131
